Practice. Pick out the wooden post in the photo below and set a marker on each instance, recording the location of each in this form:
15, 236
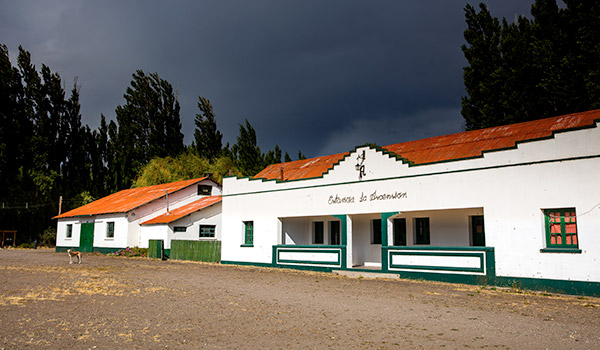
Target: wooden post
59, 205
167, 196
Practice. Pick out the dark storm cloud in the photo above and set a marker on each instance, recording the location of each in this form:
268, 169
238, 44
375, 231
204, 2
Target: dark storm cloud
320, 76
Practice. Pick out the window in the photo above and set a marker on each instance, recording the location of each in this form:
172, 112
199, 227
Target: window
561, 228
422, 231
334, 232
179, 229
376, 231
400, 232
248, 233
110, 229
207, 231
204, 190
318, 237
69, 230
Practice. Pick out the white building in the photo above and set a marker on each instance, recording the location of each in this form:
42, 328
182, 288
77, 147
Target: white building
115, 222
199, 220
509, 205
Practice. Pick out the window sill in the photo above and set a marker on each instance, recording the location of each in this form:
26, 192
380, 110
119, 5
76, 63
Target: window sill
247, 245
561, 250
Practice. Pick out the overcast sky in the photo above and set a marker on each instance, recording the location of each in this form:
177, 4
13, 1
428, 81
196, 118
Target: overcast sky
321, 76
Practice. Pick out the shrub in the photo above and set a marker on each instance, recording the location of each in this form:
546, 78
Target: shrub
130, 252
48, 238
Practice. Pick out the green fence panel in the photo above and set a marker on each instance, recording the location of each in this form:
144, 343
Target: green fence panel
209, 251
155, 248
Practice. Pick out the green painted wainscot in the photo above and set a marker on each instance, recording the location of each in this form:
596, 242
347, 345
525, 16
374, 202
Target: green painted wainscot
468, 265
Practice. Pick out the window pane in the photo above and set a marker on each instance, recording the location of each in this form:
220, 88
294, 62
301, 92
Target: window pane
555, 228
207, 231
561, 227
249, 232
110, 229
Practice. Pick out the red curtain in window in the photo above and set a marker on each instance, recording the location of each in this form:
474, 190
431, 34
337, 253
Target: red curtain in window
555, 236
571, 228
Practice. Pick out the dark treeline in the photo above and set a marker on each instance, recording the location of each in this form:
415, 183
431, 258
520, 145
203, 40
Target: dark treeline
526, 69
46, 152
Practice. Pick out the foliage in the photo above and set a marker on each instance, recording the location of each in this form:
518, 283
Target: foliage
48, 238
530, 69
208, 137
184, 167
43, 146
248, 155
131, 252
149, 126
47, 152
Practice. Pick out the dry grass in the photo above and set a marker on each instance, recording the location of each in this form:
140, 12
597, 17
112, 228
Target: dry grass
67, 282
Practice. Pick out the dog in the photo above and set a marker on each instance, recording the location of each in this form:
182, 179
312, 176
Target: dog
72, 254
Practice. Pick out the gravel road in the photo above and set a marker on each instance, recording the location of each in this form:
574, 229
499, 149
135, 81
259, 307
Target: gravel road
137, 303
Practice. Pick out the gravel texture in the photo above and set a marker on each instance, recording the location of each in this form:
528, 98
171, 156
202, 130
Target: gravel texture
130, 303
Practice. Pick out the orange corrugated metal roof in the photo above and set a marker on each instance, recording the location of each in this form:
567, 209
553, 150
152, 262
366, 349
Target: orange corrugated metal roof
301, 169
461, 145
187, 209
126, 200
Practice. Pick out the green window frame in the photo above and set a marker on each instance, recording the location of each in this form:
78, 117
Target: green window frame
561, 228
422, 231
179, 229
318, 232
69, 230
110, 229
376, 231
248, 233
207, 231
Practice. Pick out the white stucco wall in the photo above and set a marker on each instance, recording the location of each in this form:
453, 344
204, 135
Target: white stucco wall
207, 216
510, 188
61, 233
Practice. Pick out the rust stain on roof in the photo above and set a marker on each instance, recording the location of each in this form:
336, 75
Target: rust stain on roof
187, 209
126, 200
457, 146
301, 169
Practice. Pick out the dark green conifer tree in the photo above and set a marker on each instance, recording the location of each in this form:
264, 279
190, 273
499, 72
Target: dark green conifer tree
208, 138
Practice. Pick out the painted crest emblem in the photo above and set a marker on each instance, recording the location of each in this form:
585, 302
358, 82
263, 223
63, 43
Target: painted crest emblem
360, 165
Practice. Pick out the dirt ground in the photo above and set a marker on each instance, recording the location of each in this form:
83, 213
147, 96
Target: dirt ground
130, 303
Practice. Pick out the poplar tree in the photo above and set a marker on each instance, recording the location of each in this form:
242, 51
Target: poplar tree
208, 138
246, 151
149, 125
531, 68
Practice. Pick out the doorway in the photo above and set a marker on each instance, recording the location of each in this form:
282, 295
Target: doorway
477, 231
86, 238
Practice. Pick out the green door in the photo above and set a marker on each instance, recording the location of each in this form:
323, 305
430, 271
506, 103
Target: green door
478, 231
86, 238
